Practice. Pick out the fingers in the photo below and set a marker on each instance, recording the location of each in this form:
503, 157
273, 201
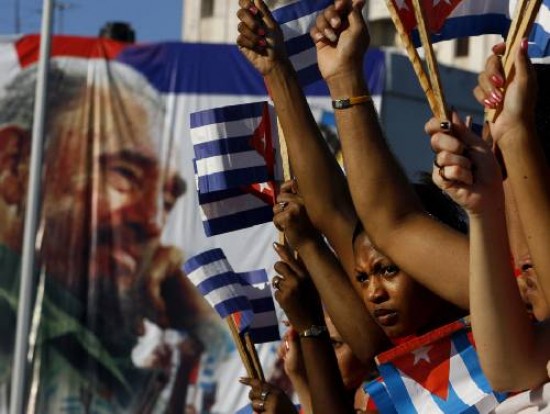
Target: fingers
266, 15
489, 92
289, 186
522, 63
326, 25
287, 257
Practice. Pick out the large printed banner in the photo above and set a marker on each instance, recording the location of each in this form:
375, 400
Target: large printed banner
117, 327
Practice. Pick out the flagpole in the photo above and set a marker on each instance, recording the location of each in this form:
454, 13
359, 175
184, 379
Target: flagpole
24, 311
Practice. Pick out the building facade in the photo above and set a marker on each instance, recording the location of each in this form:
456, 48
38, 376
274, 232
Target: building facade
216, 21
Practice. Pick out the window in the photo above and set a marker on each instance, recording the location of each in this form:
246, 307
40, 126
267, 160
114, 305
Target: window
207, 8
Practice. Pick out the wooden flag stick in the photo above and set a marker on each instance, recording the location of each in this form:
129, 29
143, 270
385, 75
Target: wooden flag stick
524, 19
248, 364
285, 164
433, 69
414, 58
254, 356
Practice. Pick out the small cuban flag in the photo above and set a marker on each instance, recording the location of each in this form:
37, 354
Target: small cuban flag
435, 373
246, 297
215, 279
233, 146
296, 19
265, 325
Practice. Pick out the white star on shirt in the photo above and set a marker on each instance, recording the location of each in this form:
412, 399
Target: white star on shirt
421, 353
436, 2
401, 4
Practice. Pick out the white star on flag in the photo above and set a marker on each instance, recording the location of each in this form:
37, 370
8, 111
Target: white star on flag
421, 353
264, 187
436, 2
401, 4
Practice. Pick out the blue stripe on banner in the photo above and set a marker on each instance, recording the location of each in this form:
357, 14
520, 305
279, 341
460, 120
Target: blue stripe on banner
223, 147
265, 334
175, 67
377, 391
375, 66
299, 44
466, 26
238, 221
233, 178
255, 277
396, 388
263, 304
202, 259
233, 305
299, 9
227, 114
216, 282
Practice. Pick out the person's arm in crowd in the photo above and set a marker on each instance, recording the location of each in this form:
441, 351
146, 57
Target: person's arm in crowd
268, 398
322, 183
345, 307
291, 354
390, 212
528, 172
512, 351
297, 296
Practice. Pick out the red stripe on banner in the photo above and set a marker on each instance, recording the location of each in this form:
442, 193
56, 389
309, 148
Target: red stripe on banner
70, 46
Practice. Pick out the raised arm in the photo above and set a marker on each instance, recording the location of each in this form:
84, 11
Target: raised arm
322, 182
526, 165
346, 309
298, 298
432, 253
513, 353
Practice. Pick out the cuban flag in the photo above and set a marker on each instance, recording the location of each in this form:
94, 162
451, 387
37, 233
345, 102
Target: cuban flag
233, 146
265, 325
436, 373
296, 19
215, 279
453, 19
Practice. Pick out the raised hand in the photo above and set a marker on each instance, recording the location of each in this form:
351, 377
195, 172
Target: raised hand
267, 398
260, 38
341, 38
291, 217
464, 166
295, 292
518, 104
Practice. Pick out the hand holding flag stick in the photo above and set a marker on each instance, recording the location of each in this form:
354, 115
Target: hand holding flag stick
526, 12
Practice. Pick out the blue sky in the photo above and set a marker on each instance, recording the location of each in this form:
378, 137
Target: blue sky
153, 20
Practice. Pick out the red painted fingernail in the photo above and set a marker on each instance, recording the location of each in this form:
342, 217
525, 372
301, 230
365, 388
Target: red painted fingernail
262, 42
261, 31
498, 81
488, 103
496, 95
253, 10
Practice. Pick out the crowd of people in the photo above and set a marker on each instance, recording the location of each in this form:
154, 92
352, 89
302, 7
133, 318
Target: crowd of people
382, 260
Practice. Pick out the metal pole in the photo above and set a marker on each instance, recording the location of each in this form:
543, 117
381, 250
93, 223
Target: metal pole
25, 303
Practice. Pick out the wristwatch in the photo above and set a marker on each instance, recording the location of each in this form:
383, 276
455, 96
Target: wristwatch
314, 331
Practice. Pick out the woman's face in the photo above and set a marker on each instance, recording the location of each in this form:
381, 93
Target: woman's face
398, 304
352, 370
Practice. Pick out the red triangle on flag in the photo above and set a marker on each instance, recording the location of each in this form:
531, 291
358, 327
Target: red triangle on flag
436, 12
429, 365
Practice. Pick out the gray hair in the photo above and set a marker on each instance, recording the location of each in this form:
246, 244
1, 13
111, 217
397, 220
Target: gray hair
68, 79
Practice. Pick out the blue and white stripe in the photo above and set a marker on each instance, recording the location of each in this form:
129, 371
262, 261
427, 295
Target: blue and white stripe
222, 142
296, 19
213, 276
264, 326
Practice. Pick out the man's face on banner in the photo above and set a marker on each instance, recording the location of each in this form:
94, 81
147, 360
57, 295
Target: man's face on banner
105, 200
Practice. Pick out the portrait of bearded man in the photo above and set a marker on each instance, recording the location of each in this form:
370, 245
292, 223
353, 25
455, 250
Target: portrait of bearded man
109, 184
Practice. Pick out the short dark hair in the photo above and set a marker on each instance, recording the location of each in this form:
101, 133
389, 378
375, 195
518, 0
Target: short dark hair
436, 203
